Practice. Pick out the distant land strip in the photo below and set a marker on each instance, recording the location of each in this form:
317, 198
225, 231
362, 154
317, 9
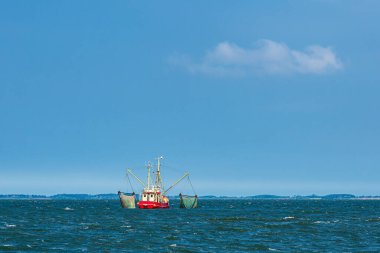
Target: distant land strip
112, 196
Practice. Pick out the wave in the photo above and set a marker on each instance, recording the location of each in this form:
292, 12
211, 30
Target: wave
321, 222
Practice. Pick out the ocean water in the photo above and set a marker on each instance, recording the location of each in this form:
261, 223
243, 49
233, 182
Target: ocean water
217, 226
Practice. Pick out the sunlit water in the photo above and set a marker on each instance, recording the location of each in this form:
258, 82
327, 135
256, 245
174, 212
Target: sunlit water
217, 225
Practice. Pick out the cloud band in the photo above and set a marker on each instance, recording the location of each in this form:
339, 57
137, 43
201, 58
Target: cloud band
267, 57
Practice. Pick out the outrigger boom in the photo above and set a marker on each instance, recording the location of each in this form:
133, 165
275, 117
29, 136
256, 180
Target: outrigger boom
138, 179
179, 180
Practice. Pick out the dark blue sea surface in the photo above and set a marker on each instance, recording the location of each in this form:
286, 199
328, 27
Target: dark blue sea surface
216, 226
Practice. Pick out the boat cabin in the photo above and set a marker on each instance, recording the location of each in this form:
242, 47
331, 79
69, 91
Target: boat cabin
151, 196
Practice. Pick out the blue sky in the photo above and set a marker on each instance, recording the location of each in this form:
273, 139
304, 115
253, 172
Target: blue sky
275, 97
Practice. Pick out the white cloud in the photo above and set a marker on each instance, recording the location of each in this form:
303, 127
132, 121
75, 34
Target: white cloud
267, 57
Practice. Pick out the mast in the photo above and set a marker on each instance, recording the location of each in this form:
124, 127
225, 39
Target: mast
158, 175
148, 175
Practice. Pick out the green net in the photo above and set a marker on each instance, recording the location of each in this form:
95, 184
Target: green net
127, 201
188, 201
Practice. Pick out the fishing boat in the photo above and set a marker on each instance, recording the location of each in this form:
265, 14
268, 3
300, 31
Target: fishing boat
153, 195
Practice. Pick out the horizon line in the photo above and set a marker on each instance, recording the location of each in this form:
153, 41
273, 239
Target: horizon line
203, 195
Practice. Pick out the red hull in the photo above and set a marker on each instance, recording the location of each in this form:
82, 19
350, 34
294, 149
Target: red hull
152, 205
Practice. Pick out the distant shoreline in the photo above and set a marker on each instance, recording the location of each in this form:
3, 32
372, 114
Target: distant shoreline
112, 196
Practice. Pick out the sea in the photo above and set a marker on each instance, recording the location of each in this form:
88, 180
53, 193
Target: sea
218, 225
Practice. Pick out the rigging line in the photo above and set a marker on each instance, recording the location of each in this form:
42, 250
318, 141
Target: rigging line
188, 178
170, 167
130, 183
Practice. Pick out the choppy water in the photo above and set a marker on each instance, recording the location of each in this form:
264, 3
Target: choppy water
218, 225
